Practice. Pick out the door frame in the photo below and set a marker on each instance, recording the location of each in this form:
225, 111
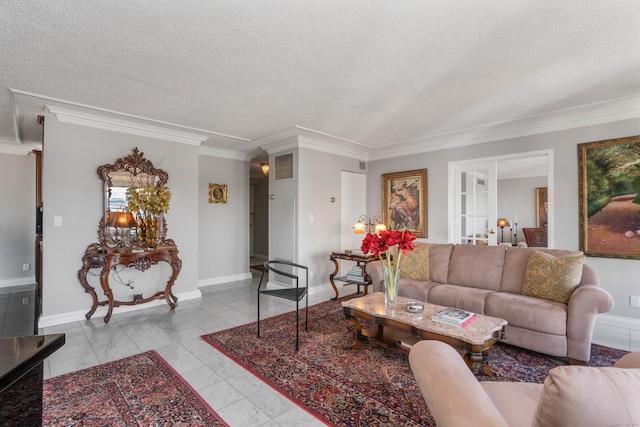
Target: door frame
455, 166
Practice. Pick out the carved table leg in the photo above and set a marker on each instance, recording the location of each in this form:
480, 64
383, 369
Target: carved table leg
104, 282
356, 345
332, 275
82, 276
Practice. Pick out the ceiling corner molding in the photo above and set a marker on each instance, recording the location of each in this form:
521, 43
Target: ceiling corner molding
615, 110
301, 137
224, 154
17, 149
124, 126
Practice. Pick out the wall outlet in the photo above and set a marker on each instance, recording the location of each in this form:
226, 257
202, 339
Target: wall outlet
312, 274
634, 301
25, 267
25, 301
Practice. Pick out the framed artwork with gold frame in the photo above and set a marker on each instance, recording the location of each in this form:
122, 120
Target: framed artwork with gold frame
609, 197
404, 201
217, 193
542, 206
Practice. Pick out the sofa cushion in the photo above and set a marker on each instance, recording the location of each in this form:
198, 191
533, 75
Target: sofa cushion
415, 264
527, 312
470, 299
439, 259
515, 265
415, 289
516, 401
477, 266
552, 278
589, 396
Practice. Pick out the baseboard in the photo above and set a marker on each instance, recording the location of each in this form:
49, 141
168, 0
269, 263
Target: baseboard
7, 283
223, 280
75, 316
618, 322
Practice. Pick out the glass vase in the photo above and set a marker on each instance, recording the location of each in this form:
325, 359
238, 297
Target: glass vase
390, 286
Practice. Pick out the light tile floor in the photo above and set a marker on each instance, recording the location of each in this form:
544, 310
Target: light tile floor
239, 397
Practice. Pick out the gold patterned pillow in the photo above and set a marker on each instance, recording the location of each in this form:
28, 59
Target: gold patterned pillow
415, 264
552, 278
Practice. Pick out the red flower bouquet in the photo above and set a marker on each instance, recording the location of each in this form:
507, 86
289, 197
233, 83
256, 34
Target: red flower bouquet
389, 246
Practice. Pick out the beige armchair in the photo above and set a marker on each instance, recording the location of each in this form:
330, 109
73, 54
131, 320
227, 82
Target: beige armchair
570, 396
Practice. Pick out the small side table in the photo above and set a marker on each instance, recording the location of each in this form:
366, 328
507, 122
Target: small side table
359, 260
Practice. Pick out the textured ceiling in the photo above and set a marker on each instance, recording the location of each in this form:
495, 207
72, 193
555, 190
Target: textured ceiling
373, 75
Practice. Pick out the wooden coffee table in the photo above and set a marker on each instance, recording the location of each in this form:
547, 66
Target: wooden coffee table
393, 325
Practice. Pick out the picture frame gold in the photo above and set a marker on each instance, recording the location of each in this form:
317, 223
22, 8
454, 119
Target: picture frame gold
218, 193
542, 207
404, 201
609, 197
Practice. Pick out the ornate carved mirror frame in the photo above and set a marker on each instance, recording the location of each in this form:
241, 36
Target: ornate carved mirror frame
132, 170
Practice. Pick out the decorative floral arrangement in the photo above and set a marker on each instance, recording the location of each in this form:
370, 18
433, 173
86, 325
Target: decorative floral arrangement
389, 246
147, 202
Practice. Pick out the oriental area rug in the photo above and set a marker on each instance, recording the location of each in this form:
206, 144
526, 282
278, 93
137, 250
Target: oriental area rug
140, 390
371, 386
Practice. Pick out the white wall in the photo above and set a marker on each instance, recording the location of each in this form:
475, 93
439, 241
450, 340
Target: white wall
223, 229
73, 190
17, 219
320, 182
618, 276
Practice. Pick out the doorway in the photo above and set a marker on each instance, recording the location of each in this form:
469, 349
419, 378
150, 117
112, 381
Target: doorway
529, 170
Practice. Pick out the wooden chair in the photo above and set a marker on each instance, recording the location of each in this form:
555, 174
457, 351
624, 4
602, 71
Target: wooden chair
289, 293
536, 237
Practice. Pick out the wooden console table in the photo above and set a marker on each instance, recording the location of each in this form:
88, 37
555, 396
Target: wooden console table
140, 260
358, 259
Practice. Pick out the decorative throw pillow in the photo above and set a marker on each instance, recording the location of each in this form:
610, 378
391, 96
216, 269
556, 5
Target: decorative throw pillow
415, 264
552, 278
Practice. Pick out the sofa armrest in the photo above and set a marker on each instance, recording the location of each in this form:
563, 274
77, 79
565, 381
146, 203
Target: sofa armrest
374, 270
586, 302
629, 360
453, 395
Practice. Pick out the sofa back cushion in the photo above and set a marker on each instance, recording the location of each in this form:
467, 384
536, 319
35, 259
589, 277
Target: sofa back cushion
415, 264
515, 266
589, 396
439, 259
477, 266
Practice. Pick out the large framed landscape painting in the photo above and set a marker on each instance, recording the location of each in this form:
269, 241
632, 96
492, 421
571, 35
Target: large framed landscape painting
404, 201
609, 197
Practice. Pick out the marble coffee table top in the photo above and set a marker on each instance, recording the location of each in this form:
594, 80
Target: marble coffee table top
476, 332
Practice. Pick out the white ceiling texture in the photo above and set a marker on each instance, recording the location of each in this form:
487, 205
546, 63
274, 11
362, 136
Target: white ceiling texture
366, 78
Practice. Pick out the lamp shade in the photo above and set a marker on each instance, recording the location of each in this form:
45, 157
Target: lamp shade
502, 222
359, 227
121, 219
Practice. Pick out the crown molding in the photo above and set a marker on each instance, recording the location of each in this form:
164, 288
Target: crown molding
301, 137
224, 154
124, 126
615, 110
7, 147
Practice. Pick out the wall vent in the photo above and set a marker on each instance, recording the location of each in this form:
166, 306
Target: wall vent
363, 166
284, 166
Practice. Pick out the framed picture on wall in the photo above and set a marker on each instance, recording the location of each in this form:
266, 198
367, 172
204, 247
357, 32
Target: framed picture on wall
218, 193
609, 197
404, 201
542, 207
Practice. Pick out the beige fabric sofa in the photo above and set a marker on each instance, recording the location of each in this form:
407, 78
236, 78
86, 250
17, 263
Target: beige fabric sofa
489, 280
571, 395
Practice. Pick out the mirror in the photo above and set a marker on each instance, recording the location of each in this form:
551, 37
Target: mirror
135, 199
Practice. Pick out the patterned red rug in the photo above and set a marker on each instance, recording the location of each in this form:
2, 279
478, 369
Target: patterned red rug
140, 390
371, 386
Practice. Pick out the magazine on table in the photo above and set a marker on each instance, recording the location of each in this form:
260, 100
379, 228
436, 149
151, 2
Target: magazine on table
454, 316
